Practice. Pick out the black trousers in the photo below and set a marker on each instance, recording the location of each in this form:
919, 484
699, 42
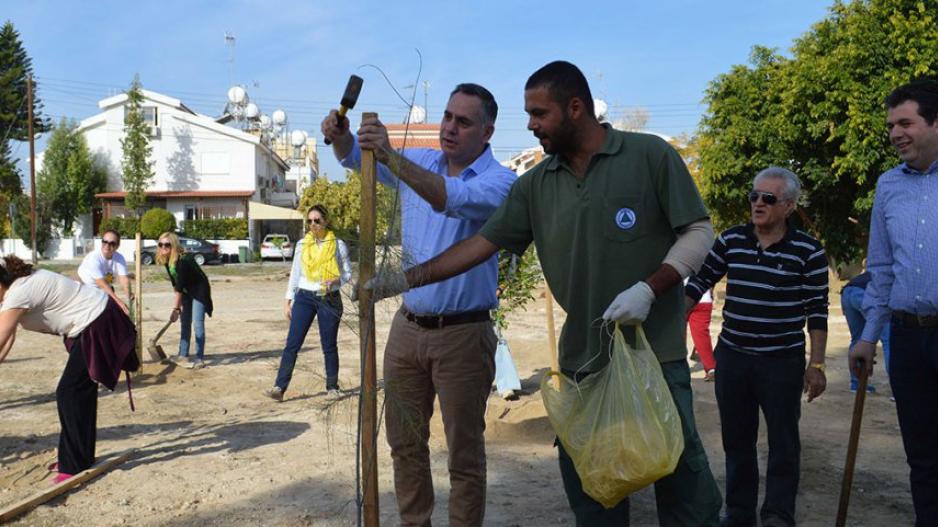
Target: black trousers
913, 374
77, 399
745, 384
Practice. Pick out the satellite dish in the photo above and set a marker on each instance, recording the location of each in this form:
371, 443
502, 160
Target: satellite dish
279, 117
298, 137
601, 108
418, 115
237, 95
265, 121
251, 111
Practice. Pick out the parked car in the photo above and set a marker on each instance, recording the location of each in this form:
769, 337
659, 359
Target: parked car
277, 246
202, 251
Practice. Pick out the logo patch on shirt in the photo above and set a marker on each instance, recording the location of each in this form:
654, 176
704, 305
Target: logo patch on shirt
625, 218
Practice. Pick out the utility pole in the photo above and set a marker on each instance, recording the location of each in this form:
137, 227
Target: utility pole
32, 164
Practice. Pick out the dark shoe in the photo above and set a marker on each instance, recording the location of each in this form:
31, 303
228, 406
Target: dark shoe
731, 521
274, 393
774, 521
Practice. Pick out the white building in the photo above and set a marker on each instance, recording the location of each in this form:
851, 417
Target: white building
203, 169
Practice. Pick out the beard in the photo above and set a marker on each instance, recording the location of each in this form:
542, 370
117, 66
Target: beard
563, 139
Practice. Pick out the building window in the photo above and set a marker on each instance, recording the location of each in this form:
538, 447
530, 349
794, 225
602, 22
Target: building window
190, 212
149, 114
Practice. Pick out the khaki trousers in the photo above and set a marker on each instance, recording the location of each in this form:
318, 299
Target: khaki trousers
456, 363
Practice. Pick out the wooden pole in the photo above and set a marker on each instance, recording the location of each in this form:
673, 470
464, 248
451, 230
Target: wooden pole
32, 165
852, 444
45, 495
552, 336
138, 297
366, 325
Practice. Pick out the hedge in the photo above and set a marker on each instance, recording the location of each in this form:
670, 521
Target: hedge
217, 229
156, 221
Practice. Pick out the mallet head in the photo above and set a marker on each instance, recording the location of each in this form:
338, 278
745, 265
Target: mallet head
352, 90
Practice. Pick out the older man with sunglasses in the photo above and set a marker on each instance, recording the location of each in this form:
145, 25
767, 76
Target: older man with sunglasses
776, 281
101, 268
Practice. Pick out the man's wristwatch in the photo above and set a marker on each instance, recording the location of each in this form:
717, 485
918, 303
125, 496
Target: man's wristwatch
819, 365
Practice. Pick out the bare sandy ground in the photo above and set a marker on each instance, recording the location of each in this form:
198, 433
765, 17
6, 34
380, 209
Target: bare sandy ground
209, 449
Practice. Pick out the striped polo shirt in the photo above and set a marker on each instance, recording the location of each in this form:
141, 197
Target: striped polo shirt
770, 292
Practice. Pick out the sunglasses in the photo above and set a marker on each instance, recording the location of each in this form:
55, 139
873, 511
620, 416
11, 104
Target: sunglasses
166, 245
767, 197
112, 243
317, 221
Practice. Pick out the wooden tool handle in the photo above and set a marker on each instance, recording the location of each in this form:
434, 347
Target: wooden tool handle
852, 445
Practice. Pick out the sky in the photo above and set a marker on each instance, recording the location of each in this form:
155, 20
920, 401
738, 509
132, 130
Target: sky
297, 56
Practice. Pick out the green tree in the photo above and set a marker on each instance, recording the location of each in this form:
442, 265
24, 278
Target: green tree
22, 221
517, 280
10, 185
342, 199
136, 167
156, 221
69, 178
15, 67
819, 113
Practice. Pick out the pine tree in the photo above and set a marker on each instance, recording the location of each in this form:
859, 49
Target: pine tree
15, 66
136, 169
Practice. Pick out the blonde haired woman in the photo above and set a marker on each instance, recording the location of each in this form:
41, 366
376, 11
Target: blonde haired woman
320, 267
193, 295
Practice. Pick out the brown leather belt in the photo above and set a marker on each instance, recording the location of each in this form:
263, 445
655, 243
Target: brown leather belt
441, 321
915, 321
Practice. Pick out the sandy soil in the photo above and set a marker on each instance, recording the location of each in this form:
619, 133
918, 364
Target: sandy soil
209, 449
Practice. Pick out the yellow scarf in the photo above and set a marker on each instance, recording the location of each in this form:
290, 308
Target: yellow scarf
319, 260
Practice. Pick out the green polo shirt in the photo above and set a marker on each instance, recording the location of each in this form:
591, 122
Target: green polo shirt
598, 236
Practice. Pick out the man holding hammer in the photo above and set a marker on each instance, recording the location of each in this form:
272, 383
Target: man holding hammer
903, 291
441, 341
618, 223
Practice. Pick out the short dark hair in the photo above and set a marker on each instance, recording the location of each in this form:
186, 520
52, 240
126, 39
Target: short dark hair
12, 269
922, 91
563, 81
112, 231
489, 106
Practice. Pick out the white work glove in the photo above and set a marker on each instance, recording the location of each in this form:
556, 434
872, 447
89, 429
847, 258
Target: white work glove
631, 306
387, 283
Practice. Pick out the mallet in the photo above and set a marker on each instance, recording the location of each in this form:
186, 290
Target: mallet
352, 90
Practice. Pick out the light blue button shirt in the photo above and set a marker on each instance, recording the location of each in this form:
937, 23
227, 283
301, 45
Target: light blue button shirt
471, 198
903, 250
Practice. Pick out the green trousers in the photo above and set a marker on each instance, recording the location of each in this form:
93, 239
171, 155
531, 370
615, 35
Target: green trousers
687, 498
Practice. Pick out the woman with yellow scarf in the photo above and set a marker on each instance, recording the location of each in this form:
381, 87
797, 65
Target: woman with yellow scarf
320, 267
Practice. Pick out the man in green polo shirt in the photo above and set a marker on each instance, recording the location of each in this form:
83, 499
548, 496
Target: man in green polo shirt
608, 211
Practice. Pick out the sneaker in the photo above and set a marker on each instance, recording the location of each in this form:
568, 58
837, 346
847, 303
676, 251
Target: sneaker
274, 393
710, 376
197, 364
869, 388
333, 393
60, 477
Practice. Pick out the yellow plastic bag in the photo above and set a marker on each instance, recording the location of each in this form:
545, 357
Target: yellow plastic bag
620, 425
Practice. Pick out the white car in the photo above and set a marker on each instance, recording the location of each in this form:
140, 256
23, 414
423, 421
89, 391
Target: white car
276, 246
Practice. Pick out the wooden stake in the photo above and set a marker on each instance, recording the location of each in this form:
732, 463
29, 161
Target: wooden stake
32, 164
552, 336
45, 495
138, 298
852, 444
366, 326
